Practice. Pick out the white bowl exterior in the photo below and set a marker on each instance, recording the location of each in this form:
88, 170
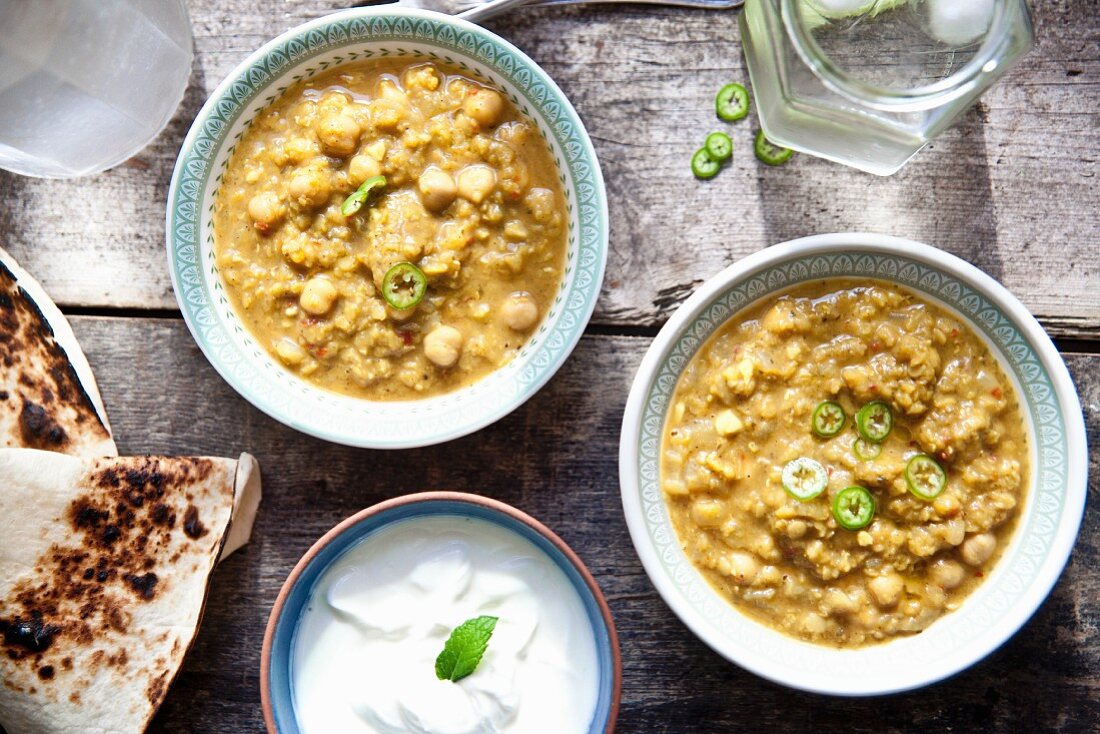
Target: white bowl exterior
253, 372
1018, 584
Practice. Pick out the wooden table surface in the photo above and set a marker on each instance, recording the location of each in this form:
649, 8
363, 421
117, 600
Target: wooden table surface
1012, 189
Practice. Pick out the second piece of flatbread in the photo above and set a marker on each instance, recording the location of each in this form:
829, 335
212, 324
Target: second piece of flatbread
48, 396
104, 570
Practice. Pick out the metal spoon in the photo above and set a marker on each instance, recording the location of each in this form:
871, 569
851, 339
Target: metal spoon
475, 10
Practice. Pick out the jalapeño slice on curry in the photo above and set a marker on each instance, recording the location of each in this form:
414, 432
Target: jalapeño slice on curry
925, 477
853, 508
865, 450
874, 421
768, 152
404, 286
804, 478
732, 102
828, 419
357, 198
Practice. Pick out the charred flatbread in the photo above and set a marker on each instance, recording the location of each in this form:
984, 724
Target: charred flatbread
104, 569
48, 396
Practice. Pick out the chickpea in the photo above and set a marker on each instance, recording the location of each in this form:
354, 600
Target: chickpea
977, 549
485, 106
886, 589
743, 567
310, 186
947, 573
339, 135
266, 210
442, 345
362, 167
519, 311
289, 351
318, 295
437, 189
476, 182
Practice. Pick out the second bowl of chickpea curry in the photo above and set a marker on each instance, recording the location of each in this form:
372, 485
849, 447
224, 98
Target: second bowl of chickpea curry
402, 224
853, 464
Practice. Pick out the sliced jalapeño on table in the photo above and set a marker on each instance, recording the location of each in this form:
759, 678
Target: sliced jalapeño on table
732, 102
404, 286
703, 164
925, 477
768, 152
853, 508
720, 146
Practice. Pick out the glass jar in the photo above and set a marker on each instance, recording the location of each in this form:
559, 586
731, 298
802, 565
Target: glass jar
868, 83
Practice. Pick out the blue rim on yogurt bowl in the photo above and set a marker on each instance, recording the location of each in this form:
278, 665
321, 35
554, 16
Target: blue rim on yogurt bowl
307, 50
293, 605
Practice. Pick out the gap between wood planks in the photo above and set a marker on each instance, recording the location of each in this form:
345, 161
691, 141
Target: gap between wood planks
1064, 345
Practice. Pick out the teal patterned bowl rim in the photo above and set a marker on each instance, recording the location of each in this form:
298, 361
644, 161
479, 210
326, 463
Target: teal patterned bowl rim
1050, 515
306, 50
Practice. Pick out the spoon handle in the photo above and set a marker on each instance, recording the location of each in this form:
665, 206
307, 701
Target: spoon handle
484, 10
489, 9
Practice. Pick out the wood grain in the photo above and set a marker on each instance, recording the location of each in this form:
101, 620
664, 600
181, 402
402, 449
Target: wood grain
1012, 189
555, 458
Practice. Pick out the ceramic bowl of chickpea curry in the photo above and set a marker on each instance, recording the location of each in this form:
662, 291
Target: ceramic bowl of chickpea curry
849, 451
387, 228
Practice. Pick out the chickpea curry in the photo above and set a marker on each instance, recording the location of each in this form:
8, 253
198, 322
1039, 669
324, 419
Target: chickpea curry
391, 229
844, 463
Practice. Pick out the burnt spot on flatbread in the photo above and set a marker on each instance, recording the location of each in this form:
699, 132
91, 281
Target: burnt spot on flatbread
191, 523
39, 430
55, 413
144, 585
162, 515
122, 532
31, 632
157, 687
46, 672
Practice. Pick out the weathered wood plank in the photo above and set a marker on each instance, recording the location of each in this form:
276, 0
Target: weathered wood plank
556, 458
1012, 188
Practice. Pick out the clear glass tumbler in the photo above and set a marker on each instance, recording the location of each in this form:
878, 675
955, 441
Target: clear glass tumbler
868, 83
85, 84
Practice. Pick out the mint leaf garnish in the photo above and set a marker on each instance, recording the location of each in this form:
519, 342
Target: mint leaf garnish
463, 650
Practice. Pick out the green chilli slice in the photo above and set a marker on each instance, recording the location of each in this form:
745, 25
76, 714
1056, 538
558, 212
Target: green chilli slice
925, 476
828, 419
874, 421
853, 508
804, 478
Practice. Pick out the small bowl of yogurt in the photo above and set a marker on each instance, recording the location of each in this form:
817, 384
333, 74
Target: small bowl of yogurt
355, 642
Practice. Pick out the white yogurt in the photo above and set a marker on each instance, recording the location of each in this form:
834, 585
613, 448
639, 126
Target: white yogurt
364, 653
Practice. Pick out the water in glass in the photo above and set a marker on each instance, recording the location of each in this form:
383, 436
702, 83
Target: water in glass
85, 84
